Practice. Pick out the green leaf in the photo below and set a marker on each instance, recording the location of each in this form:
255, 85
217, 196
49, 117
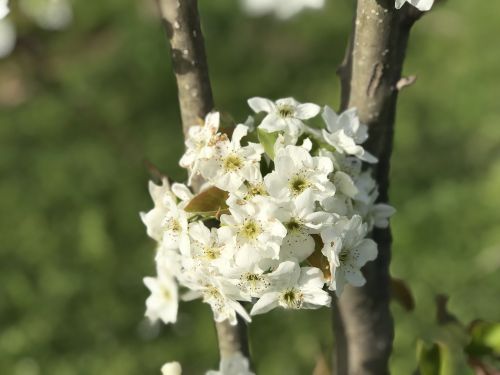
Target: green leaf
485, 338
446, 354
429, 358
267, 140
210, 202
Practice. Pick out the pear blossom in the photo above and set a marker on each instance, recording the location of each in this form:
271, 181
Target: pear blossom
163, 302
293, 287
296, 172
198, 143
248, 192
167, 222
345, 133
253, 230
207, 248
8, 37
347, 250
219, 293
284, 115
272, 212
301, 220
236, 364
233, 164
422, 5
374, 214
4, 8
283, 9
171, 368
252, 280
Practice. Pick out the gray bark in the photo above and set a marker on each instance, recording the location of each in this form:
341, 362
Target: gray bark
189, 62
370, 75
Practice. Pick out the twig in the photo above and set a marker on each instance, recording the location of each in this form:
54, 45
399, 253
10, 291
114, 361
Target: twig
182, 24
370, 72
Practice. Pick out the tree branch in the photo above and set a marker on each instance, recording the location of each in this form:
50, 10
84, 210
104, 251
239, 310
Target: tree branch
370, 74
182, 24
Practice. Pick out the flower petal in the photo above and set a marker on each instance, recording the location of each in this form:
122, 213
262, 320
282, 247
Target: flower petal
261, 105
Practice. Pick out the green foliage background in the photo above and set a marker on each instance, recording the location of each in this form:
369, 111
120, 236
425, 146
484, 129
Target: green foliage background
81, 109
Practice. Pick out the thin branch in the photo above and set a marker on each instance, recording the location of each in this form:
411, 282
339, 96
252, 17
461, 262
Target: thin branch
182, 24
370, 74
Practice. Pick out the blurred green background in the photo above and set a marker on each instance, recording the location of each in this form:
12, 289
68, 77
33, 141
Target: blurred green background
81, 109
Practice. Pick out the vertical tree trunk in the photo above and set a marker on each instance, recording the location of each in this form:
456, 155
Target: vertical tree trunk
370, 75
189, 62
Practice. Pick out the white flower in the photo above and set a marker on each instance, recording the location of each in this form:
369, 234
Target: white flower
218, 292
282, 8
347, 251
284, 115
345, 133
206, 247
253, 230
301, 220
422, 5
171, 368
236, 364
296, 172
7, 37
231, 164
4, 8
167, 221
163, 200
163, 302
252, 280
374, 214
168, 261
293, 287
198, 144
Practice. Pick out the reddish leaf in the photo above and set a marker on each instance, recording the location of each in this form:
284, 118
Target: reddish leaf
210, 202
401, 293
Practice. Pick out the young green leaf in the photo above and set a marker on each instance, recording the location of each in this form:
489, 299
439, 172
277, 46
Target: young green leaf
267, 140
429, 358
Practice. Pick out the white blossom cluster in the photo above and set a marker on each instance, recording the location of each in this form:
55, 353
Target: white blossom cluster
282, 218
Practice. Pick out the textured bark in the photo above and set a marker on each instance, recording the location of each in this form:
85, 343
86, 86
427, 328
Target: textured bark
370, 75
182, 24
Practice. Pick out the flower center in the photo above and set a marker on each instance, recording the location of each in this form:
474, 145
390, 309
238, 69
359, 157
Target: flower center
293, 225
255, 189
298, 184
292, 298
285, 111
343, 255
212, 296
173, 225
251, 229
166, 294
232, 163
211, 252
253, 282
